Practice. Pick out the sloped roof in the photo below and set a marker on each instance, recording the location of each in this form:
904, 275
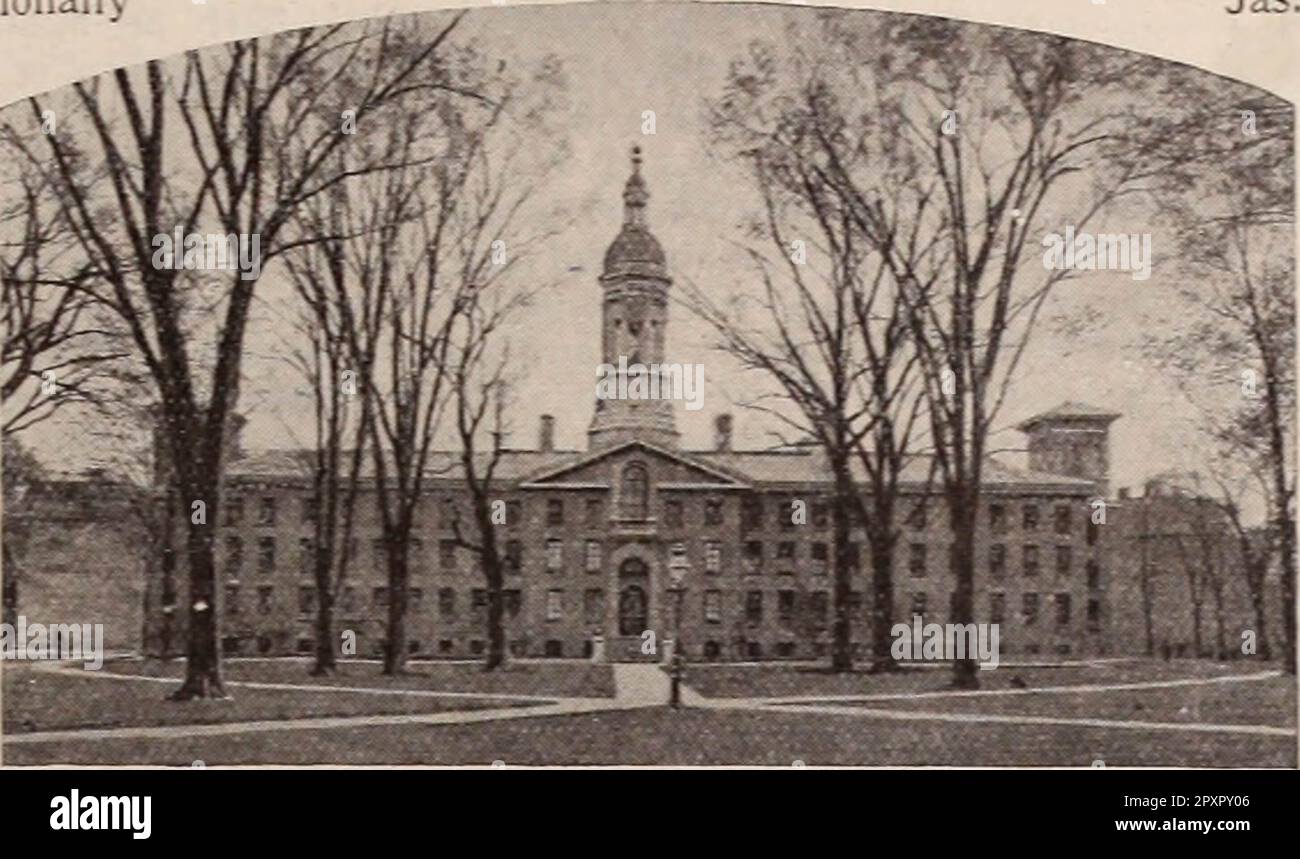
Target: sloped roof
789, 467
1067, 411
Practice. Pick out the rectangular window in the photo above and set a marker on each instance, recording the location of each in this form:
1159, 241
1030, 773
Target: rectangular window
593, 607
916, 560
1062, 609
1094, 575
380, 597
555, 511
266, 511
306, 556
233, 510
713, 557
920, 602
447, 554
751, 514
1030, 521
997, 608
513, 602
447, 603
310, 508
514, 514
673, 514
349, 602
593, 512
1029, 608
821, 515
754, 556
234, 555
820, 558
514, 557
1062, 519
819, 603
785, 556
414, 598
1094, 615
998, 518
1031, 560
554, 604
593, 556
306, 600
1092, 532
265, 599
232, 600
415, 556
266, 555
997, 561
754, 607
554, 555
447, 514
713, 606
1063, 558
713, 512
785, 606
478, 602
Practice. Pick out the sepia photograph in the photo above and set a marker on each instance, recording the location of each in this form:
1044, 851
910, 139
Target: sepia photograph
646, 384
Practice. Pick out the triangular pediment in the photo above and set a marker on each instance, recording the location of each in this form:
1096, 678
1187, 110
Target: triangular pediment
667, 467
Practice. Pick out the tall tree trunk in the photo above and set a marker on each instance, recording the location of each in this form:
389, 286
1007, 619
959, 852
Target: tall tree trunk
326, 662
845, 564
1256, 576
964, 511
882, 600
398, 577
202, 667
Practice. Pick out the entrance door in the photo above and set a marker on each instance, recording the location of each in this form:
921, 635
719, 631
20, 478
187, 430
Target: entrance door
633, 614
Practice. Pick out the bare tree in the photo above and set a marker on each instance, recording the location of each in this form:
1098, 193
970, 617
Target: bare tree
257, 124
57, 346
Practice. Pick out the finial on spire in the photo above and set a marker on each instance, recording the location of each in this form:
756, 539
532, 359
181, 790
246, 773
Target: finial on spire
634, 193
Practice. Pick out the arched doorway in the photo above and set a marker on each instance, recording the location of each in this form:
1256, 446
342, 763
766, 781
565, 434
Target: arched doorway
633, 597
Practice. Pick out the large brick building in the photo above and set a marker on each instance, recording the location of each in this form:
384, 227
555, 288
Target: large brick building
591, 535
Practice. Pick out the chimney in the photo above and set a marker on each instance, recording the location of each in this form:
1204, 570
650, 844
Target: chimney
546, 434
1123, 493
722, 431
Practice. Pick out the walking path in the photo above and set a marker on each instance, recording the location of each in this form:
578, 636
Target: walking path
640, 685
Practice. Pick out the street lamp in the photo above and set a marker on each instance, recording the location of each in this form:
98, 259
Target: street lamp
677, 570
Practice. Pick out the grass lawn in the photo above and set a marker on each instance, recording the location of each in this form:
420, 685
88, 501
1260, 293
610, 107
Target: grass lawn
42, 701
690, 738
560, 679
1258, 702
788, 681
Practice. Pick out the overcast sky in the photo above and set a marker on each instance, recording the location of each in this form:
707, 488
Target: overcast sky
621, 61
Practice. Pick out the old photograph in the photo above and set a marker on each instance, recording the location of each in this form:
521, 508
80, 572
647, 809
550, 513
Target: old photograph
648, 384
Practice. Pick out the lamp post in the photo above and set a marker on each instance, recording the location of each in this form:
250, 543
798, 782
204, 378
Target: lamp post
677, 578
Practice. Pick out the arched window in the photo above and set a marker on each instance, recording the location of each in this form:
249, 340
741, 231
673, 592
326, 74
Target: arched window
634, 493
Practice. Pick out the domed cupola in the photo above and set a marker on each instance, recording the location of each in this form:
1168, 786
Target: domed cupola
635, 251
634, 307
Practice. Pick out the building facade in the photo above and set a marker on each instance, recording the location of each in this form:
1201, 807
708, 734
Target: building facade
592, 536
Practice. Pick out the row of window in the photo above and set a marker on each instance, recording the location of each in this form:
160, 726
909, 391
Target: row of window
1030, 604
753, 557
234, 645
753, 513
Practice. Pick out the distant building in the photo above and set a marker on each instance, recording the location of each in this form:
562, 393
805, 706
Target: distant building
75, 551
1182, 588
592, 534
